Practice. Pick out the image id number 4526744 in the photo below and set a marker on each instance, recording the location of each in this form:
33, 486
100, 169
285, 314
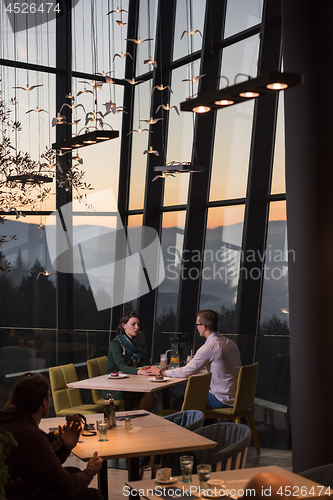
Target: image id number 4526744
32, 8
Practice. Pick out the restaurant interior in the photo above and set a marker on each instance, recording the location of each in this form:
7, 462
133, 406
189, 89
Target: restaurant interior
135, 178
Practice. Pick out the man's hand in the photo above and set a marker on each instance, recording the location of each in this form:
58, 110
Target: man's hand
70, 432
95, 462
153, 370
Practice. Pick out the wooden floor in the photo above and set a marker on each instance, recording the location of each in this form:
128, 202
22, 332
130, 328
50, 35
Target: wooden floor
117, 477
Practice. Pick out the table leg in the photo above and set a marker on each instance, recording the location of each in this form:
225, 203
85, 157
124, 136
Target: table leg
166, 398
133, 468
128, 403
102, 480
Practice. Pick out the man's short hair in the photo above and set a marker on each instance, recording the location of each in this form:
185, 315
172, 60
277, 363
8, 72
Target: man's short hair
209, 318
30, 391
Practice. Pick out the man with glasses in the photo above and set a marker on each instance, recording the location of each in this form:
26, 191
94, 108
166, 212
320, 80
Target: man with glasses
219, 355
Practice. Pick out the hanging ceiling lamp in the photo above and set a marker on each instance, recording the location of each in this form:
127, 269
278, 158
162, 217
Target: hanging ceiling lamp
87, 139
265, 84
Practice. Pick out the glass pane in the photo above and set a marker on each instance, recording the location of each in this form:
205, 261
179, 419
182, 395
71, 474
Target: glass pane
273, 351
279, 174
96, 53
133, 221
221, 263
100, 161
36, 133
231, 152
35, 45
139, 145
172, 247
274, 308
242, 14
180, 135
240, 58
85, 288
190, 16
146, 30
27, 293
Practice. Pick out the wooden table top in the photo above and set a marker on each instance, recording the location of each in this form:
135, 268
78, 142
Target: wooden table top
235, 481
132, 383
149, 435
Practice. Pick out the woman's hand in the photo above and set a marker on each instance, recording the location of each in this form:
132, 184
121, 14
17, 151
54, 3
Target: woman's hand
143, 371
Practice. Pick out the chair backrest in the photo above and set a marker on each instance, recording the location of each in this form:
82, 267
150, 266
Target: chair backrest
246, 387
189, 419
322, 475
63, 396
230, 451
196, 392
97, 367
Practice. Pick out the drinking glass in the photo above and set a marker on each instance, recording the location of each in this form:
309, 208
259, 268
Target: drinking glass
102, 421
163, 360
103, 432
186, 465
203, 471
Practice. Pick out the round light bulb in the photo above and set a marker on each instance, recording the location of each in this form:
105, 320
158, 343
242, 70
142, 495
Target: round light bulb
249, 94
277, 86
224, 102
201, 109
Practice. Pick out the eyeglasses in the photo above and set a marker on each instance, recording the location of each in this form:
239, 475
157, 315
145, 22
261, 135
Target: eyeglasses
199, 324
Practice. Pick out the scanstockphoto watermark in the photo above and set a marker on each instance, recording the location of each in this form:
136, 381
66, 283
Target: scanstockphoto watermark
186, 491
224, 264
25, 15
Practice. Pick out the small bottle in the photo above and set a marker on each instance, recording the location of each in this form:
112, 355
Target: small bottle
107, 411
110, 409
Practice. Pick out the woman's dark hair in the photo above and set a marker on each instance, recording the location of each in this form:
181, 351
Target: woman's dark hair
126, 317
30, 391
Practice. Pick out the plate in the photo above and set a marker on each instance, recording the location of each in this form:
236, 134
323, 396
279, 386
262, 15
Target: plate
153, 379
172, 480
121, 375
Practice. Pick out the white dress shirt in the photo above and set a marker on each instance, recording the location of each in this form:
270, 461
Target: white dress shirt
220, 356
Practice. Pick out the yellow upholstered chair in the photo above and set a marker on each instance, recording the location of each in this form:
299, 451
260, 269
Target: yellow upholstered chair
68, 400
244, 399
196, 394
97, 367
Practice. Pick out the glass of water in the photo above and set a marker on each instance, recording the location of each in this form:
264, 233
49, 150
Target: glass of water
203, 471
186, 465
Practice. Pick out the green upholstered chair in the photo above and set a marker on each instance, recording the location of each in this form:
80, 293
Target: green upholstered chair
97, 367
68, 400
244, 399
196, 394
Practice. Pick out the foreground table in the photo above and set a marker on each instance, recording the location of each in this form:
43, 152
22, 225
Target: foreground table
149, 435
235, 481
132, 383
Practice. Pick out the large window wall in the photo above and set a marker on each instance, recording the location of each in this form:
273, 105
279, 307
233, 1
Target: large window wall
202, 219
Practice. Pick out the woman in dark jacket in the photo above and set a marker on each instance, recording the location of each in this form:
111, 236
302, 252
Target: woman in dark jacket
125, 355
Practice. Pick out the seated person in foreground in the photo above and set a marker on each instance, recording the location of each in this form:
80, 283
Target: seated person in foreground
219, 355
268, 485
35, 464
125, 355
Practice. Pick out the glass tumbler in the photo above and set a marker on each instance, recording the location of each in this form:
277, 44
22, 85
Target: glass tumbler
103, 432
203, 471
186, 465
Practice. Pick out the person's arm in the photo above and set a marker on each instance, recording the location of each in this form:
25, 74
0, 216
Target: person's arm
196, 364
43, 466
116, 351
